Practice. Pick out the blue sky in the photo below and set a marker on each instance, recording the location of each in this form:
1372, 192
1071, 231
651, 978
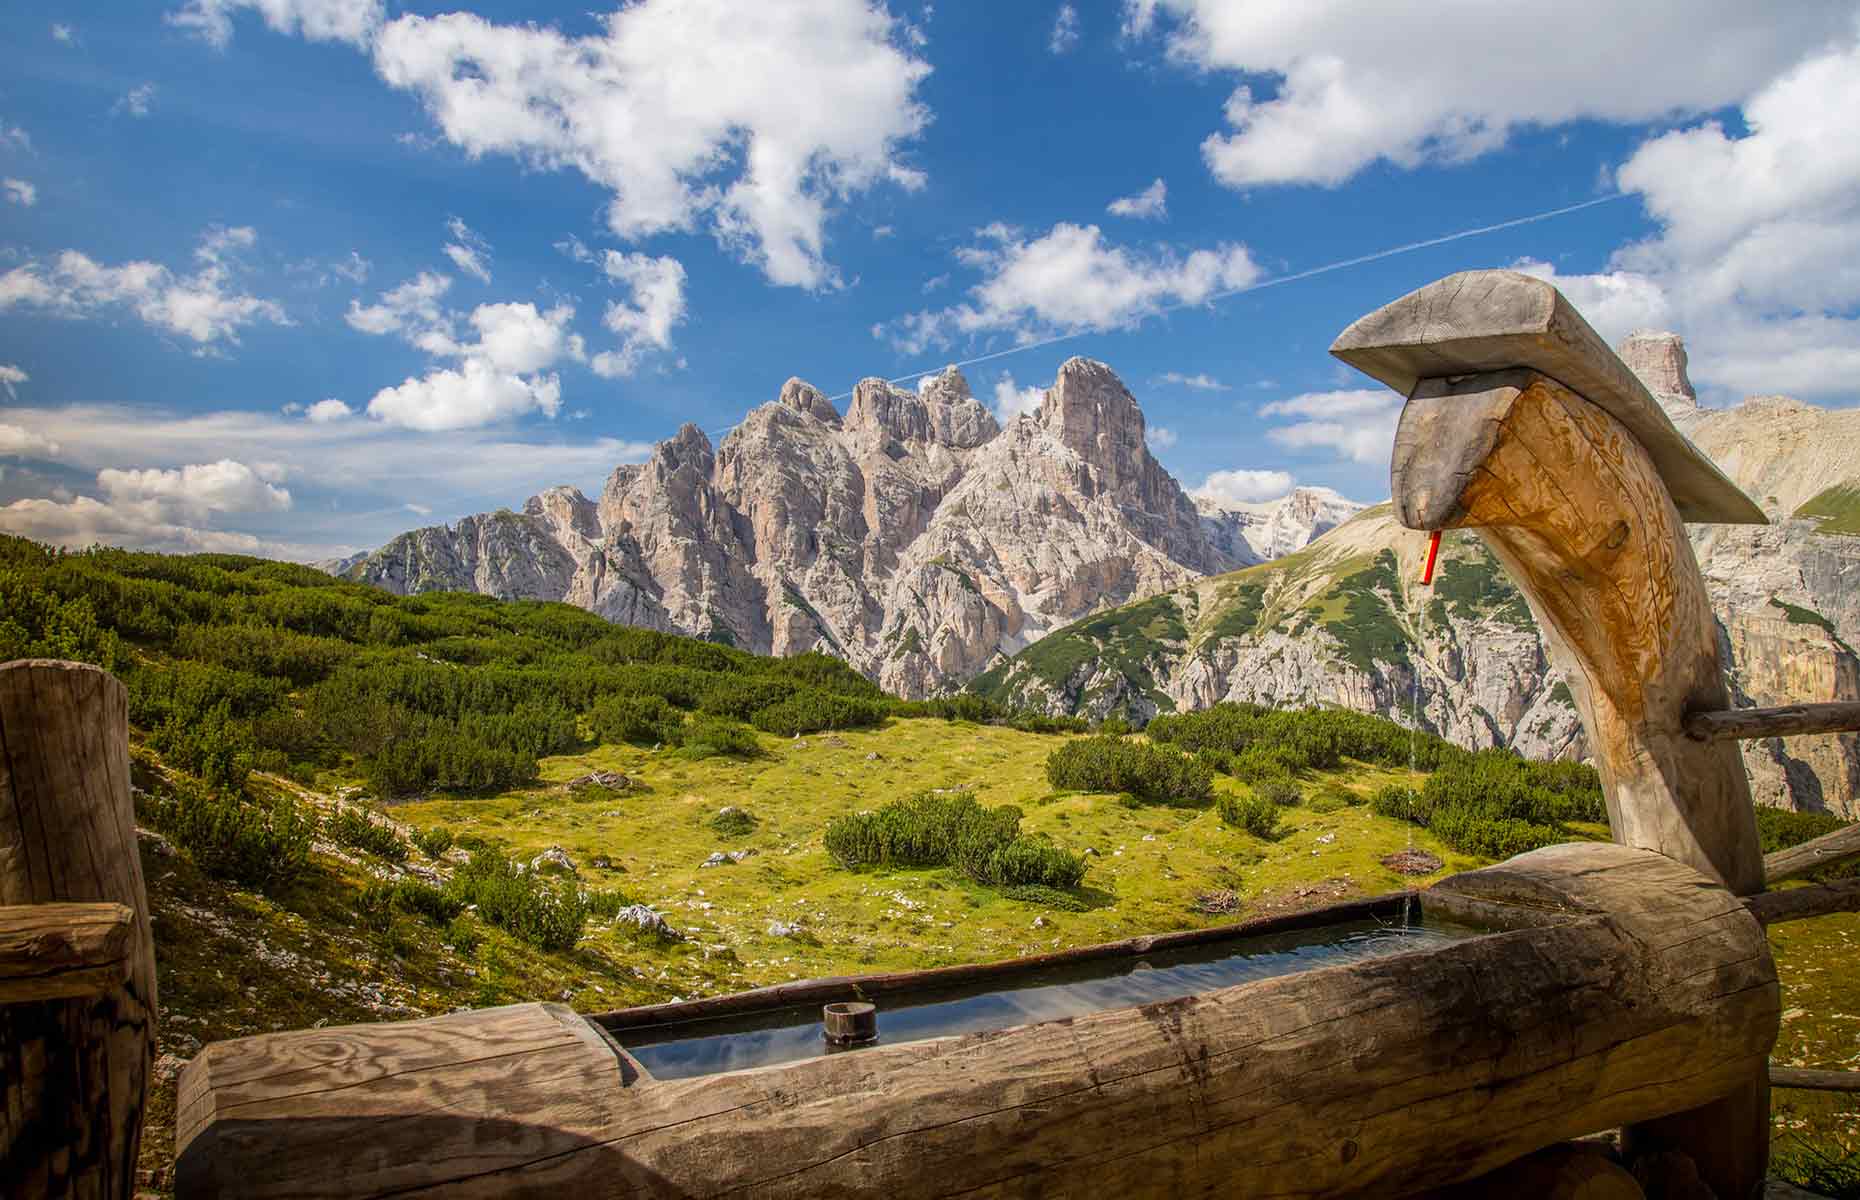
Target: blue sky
289, 276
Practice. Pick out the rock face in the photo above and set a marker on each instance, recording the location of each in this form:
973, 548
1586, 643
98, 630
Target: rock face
1343, 622
912, 536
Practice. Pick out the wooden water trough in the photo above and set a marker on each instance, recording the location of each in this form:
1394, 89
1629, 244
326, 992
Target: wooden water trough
1592, 987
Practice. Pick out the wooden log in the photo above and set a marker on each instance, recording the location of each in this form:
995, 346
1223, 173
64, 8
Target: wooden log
1482, 321
63, 951
74, 1071
1655, 993
1787, 720
1812, 1080
1796, 904
1568, 1171
1830, 849
1571, 505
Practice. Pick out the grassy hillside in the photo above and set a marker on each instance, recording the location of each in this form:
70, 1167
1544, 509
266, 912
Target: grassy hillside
307, 867
1836, 510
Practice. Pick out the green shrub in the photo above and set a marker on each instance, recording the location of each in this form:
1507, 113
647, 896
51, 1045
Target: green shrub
357, 829
1045, 897
605, 902
1282, 791
374, 906
527, 906
260, 844
952, 829
463, 937
642, 720
437, 905
707, 737
809, 711
1255, 814
1151, 773
732, 822
433, 842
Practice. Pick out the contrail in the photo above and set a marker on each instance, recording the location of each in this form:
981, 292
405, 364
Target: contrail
1280, 280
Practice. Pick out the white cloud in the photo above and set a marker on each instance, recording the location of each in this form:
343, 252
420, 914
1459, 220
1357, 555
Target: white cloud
1757, 255
1150, 204
82, 521
1358, 425
193, 491
475, 394
934, 282
468, 252
324, 411
1070, 279
12, 137
20, 191
1332, 86
1243, 486
1065, 35
136, 100
352, 21
755, 121
883, 231
358, 474
18, 442
655, 304
10, 379
1159, 437
63, 33
1201, 381
204, 307
413, 307
1012, 402
421, 509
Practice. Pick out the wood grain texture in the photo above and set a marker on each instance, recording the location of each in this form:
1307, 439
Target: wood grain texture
73, 1071
1784, 720
1815, 1081
64, 951
1485, 321
1830, 849
1797, 904
1654, 993
1571, 505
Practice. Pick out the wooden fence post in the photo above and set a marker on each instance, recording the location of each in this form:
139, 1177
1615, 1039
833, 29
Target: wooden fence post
74, 1071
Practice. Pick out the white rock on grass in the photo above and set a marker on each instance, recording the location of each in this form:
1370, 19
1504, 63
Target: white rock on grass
647, 921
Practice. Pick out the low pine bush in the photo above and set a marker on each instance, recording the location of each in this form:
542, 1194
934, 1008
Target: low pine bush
641, 720
1155, 774
526, 906
437, 905
1281, 790
1045, 897
1255, 814
732, 822
952, 829
262, 844
355, 828
433, 842
605, 902
708, 737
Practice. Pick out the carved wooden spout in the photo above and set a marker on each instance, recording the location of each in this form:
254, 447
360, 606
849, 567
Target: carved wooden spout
1580, 495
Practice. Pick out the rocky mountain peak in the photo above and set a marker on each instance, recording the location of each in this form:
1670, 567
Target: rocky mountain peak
1093, 414
688, 447
943, 413
804, 397
1660, 361
565, 508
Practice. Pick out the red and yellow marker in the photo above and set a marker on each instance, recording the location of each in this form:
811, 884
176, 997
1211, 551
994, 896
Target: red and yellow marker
1433, 551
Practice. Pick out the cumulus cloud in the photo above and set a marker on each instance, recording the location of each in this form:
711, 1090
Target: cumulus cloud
1757, 255
17, 441
1356, 425
136, 100
1331, 86
1065, 36
352, 21
753, 122
503, 351
12, 137
10, 379
1201, 381
1012, 401
204, 307
1230, 488
155, 508
1150, 204
468, 252
1159, 437
1070, 279
63, 33
193, 491
654, 306
325, 411
19, 191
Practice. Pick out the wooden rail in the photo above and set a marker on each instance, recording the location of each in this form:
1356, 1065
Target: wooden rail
1795, 904
1828, 850
64, 951
1815, 1081
1786, 720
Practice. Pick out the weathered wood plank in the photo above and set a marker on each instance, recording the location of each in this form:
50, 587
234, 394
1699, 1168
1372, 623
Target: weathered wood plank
1380, 1077
1484, 321
1785, 720
1796, 904
73, 1071
64, 951
1830, 849
1812, 1080
1571, 505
